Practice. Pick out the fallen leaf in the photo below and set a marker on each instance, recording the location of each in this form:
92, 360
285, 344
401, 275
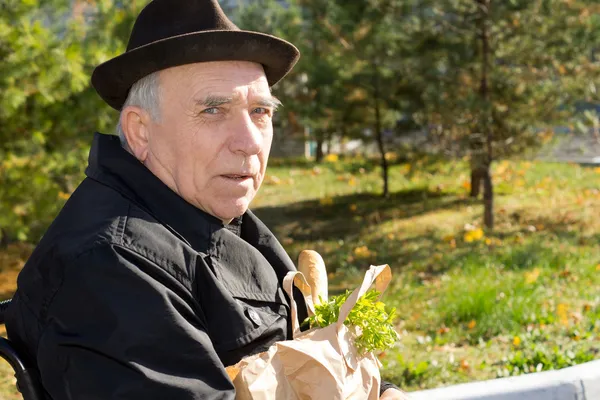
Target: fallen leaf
532, 276
565, 273
362, 252
332, 158
576, 317
443, 330
473, 235
562, 311
448, 238
326, 201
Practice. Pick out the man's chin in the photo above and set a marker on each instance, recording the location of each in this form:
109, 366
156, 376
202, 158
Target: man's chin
235, 210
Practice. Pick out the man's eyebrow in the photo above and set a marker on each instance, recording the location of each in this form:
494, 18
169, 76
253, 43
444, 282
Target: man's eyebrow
214, 101
269, 101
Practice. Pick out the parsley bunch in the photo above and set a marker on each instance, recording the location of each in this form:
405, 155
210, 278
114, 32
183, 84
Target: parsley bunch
373, 318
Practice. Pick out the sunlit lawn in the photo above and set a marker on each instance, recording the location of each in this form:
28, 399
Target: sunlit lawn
472, 304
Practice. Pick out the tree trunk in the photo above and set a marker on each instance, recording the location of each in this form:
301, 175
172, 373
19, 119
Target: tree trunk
476, 181
319, 150
488, 200
478, 162
488, 189
4, 240
328, 143
379, 133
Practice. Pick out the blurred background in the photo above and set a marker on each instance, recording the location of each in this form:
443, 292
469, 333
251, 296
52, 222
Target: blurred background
456, 140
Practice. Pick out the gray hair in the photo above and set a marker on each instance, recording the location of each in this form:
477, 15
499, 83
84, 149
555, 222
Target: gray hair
145, 94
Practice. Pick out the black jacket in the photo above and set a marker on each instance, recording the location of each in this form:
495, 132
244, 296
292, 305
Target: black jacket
133, 293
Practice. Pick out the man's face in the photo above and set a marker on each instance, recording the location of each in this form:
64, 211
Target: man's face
213, 137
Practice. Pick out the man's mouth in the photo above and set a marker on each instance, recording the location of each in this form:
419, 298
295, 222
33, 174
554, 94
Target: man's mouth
237, 177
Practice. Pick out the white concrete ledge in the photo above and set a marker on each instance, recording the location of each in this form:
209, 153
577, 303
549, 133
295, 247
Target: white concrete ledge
581, 382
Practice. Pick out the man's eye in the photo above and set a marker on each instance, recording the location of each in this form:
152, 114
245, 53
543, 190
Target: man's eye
262, 111
211, 110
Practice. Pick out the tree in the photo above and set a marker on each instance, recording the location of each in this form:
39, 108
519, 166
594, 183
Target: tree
48, 110
506, 70
377, 65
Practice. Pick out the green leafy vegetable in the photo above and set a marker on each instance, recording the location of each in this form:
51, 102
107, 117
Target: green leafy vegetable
373, 318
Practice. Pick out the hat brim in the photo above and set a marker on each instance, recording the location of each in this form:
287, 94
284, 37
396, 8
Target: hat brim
113, 79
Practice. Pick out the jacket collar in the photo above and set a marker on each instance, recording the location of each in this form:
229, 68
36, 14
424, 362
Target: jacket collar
113, 166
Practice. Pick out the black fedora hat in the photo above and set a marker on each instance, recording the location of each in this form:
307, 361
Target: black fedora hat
168, 33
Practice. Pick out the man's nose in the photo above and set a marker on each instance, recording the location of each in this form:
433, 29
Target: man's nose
247, 137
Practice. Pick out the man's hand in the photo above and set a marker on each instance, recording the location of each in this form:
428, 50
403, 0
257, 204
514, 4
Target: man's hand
393, 394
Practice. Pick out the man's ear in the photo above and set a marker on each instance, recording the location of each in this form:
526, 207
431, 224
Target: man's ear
135, 123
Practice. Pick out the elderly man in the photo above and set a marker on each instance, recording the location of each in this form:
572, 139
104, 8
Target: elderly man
155, 276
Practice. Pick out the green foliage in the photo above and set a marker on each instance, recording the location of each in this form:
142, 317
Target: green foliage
374, 320
408, 373
48, 110
35, 189
537, 358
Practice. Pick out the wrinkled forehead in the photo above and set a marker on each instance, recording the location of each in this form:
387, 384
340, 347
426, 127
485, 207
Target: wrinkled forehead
236, 79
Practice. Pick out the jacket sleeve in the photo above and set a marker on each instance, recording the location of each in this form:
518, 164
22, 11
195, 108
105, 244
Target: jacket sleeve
120, 327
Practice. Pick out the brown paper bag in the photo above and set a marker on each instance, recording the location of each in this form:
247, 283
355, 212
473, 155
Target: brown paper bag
321, 363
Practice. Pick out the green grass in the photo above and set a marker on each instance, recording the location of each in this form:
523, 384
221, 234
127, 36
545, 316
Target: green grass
522, 298
472, 305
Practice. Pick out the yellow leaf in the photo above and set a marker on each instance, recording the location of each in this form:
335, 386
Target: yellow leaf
473, 235
516, 341
532, 276
19, 210
448, 238
272, 180
326, 201
352, 181
598, 267
562, 70
562, 311
332, 158
362, 252
391, 156
472, 324
501, 107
